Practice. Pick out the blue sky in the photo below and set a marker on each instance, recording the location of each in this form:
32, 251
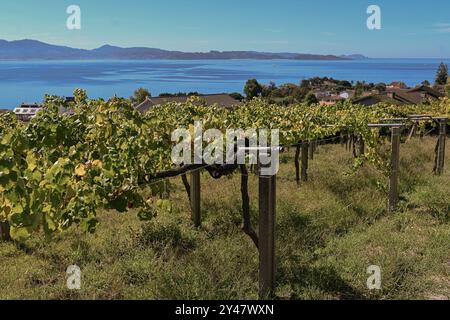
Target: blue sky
410, 28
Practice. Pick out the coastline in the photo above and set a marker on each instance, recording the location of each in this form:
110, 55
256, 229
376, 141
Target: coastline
106, 78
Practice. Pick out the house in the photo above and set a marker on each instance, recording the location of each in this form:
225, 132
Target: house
397, 96
344, 95
416, 95
223, 100
396, 85
348, 94
440, 89
375, 99
331, 100
68, 109
25, 112
428, 91
321, 94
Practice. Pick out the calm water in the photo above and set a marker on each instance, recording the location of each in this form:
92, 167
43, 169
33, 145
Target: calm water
29, 81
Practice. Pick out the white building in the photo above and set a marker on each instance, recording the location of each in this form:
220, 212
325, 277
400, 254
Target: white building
26, 112
344, 95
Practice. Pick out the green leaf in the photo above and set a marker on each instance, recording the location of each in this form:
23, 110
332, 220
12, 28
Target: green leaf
146, 214
31, 161
50, 224
90, 225
20, 234
164, 205
119, 204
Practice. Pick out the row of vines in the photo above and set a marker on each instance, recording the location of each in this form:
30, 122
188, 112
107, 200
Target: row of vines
61, 168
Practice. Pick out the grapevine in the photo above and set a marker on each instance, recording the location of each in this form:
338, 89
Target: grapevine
61, 169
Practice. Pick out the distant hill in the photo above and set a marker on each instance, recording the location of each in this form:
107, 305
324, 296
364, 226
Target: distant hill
32, 49
354, 57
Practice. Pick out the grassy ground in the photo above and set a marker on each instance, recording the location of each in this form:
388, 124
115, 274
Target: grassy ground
328, 232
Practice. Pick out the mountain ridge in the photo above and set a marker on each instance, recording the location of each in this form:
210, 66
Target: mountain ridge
28, 49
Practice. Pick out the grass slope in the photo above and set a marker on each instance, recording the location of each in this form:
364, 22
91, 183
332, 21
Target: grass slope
328, 232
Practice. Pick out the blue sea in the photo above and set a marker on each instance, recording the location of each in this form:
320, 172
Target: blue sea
29, 81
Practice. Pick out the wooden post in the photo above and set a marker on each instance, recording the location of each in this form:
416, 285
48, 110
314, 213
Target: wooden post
441, 146
195, 198
311, 150
4, 231
361, 145
413, 131
395, 165
350, 142
165, 194
297, 164
267, 210
305, 148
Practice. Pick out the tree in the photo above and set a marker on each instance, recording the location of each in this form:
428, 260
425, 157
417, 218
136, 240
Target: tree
344, 83
442, 74
299, 94
381, 87
426, 83
252, 89
310, 99
287, 89
140, 95
269, 89
305, 84
360, 87
447, 88
398, 85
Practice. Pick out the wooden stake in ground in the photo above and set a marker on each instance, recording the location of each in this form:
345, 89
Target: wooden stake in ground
305, 148
441, 146
412, 132
267, 210
395, 165
362, 147
187, 186
247, 223
195, 198
297, 164
4, 231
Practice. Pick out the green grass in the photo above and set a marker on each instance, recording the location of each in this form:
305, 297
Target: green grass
329, 231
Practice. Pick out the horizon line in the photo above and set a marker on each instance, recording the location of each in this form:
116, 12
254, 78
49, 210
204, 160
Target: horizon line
210, 50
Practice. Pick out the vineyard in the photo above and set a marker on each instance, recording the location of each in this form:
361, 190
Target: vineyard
61, 171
